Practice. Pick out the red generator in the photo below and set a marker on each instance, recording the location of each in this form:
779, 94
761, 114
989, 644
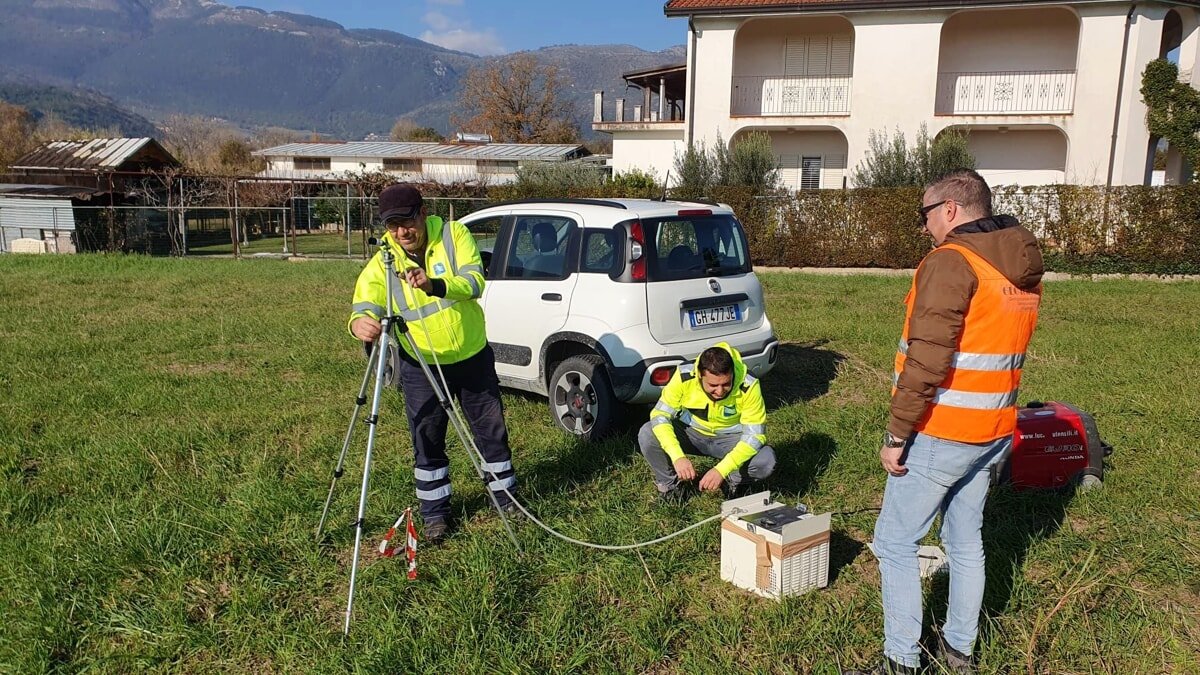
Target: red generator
1055, 444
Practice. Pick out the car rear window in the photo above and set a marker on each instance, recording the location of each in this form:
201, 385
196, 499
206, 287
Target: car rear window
694, 247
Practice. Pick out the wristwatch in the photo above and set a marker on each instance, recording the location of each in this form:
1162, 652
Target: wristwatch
890, 441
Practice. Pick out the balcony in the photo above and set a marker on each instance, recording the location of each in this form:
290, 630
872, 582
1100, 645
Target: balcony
1044, 92
776, 96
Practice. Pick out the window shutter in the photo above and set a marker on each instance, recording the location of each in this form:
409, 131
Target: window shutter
840, 49
818, 57
795, 57
789, 170
833, 171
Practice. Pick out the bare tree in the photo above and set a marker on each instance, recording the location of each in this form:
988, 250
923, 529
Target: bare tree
16, 133
516, 100
176, 190
54, 128
196, 141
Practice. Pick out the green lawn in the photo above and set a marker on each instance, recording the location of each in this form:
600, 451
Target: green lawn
317, 244
168, 428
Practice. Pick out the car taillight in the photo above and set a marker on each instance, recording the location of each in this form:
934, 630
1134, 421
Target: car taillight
636, 252
661, 376
695, 212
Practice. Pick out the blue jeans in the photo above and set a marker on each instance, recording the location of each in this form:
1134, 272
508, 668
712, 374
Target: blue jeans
944, 477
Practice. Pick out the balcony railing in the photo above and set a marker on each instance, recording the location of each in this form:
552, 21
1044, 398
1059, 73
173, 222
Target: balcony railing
775, 95
1006, 93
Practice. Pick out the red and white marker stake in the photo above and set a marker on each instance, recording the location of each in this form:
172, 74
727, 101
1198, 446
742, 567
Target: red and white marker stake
410, 548
385, 546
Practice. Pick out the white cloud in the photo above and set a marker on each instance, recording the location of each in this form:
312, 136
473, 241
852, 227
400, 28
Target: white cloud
459, 35
482, 42
437, 21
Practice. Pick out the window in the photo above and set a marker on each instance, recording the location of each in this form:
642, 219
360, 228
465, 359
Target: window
539, 247
600, 252
810, 173
485, 231
818, 56
311, 163
404, 164
696, 247
496, 166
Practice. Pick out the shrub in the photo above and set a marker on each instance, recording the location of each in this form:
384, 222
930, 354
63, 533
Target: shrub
891, 163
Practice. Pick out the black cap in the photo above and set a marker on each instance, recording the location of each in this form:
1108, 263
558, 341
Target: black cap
399, 200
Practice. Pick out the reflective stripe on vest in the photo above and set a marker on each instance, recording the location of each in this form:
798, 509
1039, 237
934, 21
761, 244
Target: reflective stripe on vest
665, 409
748, 381
975, 402
974, 361
362, 307
424, 311
448, 244
689, 419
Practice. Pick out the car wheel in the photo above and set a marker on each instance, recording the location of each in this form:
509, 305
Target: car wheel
581, 397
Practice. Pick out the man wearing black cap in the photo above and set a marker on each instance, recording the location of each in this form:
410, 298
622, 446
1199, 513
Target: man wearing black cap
442, 276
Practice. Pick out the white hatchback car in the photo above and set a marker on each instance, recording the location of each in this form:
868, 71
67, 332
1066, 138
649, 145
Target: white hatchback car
594, 303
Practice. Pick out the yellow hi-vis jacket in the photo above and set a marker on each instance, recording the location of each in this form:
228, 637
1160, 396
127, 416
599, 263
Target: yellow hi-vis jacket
741, 412
453, 325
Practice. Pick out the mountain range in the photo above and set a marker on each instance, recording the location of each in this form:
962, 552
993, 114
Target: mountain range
255, 68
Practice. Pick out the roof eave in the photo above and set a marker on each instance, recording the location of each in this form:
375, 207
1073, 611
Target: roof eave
867, 5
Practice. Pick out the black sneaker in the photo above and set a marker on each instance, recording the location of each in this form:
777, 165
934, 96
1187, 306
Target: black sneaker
953, 660
511, 510
887, 667
436, 530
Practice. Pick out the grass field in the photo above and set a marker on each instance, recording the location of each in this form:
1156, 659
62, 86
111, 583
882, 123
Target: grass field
330, 244
168, 428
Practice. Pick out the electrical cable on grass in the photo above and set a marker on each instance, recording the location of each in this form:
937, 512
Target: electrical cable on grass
472, 448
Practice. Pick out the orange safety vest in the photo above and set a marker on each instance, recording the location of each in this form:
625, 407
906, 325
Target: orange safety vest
976, 403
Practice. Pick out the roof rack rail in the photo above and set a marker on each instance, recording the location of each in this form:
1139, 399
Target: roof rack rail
589, 202
701, 201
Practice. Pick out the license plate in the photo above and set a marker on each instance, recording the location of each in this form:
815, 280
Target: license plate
711, 316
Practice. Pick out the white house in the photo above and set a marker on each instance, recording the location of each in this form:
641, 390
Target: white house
1048, 91
470, 160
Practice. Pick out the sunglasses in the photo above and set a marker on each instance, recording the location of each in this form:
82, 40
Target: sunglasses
407, 224
923, 212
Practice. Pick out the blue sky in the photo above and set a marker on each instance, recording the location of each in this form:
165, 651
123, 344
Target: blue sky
489, 27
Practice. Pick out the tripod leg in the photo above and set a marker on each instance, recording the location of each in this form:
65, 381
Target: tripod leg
373, 421
359, 402
464, 435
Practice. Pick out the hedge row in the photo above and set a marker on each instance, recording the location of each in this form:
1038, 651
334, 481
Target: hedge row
1083, 229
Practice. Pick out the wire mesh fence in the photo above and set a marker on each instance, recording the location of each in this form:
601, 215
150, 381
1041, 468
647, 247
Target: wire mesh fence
328, 225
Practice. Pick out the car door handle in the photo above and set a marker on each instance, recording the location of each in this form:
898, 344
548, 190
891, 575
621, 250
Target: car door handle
553, 297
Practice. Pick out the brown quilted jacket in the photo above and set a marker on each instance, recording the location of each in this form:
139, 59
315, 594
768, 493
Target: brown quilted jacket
944, 287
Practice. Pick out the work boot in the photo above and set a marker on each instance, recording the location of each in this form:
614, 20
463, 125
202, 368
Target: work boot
436, 530
953, 660
888, 667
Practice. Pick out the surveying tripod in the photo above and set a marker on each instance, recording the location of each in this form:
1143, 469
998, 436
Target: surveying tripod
377, 363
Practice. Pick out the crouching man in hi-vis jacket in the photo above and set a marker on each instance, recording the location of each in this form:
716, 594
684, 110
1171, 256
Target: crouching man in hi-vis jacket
440, 265
711, 407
